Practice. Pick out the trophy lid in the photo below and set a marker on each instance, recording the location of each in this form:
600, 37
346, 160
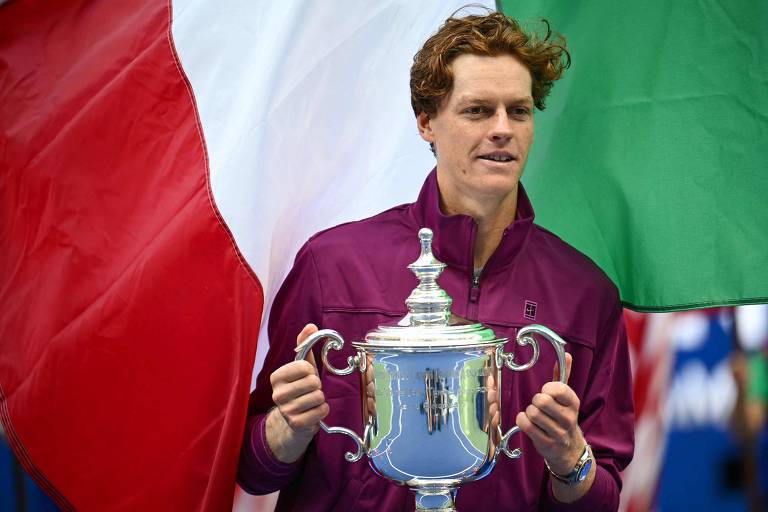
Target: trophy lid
429, 322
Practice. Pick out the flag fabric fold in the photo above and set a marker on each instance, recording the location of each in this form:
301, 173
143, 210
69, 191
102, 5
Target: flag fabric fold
129, 318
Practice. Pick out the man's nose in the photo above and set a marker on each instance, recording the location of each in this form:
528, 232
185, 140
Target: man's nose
501, 127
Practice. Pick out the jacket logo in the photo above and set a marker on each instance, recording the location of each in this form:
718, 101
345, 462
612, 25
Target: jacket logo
529, 311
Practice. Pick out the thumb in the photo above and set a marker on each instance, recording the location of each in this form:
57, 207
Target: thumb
568, 364
305, 333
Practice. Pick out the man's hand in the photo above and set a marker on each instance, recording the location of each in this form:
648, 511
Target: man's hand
300, 403
551, 422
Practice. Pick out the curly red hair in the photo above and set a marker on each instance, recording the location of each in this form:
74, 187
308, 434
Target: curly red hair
546, 57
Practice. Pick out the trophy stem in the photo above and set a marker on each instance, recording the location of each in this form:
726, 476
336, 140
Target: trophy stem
435, 499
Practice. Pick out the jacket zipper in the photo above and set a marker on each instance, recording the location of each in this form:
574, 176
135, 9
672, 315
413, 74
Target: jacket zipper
474, 298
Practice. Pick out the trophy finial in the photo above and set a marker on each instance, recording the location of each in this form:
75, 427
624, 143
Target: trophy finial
428, 304
425, 235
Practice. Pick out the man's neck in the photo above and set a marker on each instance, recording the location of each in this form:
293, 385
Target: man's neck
492, 219
486, 242
489, 234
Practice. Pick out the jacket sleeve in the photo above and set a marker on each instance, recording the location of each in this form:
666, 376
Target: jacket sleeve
298, 302
606, 416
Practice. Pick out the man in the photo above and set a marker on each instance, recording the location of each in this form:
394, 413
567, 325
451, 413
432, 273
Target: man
474, 86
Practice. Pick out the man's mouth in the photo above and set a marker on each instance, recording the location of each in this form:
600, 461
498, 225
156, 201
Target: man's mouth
498, 156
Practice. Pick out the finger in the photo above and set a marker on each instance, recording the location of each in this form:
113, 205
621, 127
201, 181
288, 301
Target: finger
544, 422
564, 416
284, 392
302, 403
544, 443
562, 393
493, 412
568, 364
495, 420
308, 419
292, 372
536, 434
305, 333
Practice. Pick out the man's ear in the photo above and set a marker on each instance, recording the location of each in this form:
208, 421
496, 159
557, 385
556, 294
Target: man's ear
424, 123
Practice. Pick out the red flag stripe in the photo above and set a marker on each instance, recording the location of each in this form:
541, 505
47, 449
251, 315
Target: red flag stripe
129, 318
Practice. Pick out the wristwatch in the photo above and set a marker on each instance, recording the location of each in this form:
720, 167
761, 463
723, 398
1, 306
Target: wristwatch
579, 471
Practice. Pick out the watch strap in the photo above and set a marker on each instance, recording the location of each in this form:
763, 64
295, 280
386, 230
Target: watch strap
578, 473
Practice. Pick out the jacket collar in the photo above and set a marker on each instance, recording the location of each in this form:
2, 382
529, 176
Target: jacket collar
454, 235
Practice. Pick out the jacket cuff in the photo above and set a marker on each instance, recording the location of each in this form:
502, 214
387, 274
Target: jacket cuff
260, 471
603, 495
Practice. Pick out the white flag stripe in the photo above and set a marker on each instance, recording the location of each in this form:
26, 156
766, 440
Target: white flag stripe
305, 108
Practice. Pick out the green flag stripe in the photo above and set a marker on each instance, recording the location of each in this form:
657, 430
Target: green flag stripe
652, 155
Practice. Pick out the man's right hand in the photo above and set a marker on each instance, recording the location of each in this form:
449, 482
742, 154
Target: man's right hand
300, 403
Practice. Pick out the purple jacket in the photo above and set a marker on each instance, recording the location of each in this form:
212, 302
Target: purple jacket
353, 277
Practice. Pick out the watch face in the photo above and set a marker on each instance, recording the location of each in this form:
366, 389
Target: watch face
585, 470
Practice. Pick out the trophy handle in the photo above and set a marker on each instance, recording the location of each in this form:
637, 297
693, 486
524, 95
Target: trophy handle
524, 337
335, 342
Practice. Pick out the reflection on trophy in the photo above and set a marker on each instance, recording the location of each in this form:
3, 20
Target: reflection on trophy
430, 391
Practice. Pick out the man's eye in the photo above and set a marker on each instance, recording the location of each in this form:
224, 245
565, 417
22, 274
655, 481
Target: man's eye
475, 110
520, 111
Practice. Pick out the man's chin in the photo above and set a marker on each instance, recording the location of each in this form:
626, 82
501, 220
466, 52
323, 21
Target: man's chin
496, 187
501, 177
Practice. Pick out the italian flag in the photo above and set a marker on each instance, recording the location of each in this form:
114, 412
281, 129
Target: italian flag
162, 161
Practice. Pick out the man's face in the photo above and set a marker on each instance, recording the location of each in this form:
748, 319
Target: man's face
482, 131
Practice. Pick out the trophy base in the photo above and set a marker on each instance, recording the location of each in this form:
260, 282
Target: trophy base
435, 499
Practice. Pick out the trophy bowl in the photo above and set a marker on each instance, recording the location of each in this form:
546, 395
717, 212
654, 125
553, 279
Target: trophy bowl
431, 400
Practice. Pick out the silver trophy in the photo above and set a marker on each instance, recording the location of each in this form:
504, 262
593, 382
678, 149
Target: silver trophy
431, 391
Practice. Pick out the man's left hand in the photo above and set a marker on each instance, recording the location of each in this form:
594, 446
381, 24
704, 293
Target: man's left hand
551, 422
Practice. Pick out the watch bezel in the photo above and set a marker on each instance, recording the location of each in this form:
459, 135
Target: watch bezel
584, 471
